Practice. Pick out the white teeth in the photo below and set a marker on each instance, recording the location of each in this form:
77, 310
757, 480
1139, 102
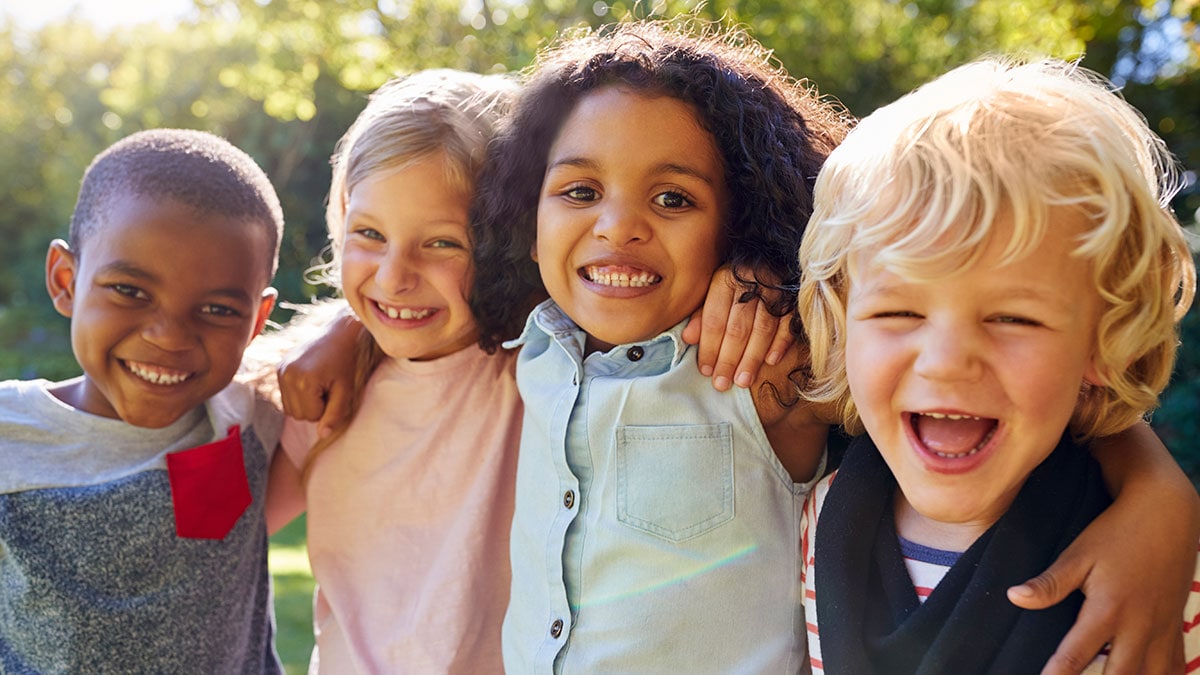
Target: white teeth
944, 416
404, 313
622, 279
156, 376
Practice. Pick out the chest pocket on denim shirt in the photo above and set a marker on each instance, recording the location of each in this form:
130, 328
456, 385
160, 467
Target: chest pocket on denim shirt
675, 482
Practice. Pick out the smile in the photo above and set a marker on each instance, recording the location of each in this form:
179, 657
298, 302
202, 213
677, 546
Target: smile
620, 279
404, 313
157, 374
953, 436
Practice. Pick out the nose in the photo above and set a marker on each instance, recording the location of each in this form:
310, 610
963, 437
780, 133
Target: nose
620, 223
398, 271
948, 352
169, 332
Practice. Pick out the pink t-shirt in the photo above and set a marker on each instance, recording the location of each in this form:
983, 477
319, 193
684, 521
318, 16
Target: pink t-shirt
409, 515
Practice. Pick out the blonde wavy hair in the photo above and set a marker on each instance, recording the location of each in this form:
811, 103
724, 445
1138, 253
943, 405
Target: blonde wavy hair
921, 185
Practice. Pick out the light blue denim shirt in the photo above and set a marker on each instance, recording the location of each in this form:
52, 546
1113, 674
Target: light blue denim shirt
655, 529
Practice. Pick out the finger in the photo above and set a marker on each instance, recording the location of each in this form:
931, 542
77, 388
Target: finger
1140, 653
1093, 629
762, 334
1050, 587
714, 316
691, 332
300, 397
738, 328
784, 339
337, 409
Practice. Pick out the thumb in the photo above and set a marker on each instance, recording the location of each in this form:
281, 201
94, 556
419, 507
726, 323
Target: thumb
337, 410
1050, 587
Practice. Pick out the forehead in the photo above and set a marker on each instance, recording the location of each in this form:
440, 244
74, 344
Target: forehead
165, 237
942, 245
661, 128
425, 185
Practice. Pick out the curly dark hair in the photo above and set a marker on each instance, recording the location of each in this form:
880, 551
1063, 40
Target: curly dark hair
198, 169
773, 134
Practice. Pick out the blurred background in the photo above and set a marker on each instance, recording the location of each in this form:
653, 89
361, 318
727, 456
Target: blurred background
283, 79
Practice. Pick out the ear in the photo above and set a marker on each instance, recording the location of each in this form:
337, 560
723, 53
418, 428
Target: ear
533, 250
61, 270
265, 305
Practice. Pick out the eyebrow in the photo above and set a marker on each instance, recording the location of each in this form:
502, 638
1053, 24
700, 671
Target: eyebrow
665, 167
129, 269
888, 288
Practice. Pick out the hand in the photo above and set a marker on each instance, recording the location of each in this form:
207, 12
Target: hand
316, 382
735, 338
1136, 573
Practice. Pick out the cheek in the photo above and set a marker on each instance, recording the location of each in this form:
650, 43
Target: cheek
459, 277
868, 367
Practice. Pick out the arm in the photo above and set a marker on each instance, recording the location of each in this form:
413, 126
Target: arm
1134, 563
736, 338
316, 382
797, 429
285, 492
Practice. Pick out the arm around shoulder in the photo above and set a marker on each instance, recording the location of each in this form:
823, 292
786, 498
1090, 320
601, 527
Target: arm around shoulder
796, 428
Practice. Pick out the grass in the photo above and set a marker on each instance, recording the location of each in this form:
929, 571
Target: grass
293, 596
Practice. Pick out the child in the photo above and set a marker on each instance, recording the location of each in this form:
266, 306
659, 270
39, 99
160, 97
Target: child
656, 523
654, 527
131, 508
992, 276
409, 504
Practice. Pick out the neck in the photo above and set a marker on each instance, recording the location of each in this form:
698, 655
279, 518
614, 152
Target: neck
941, 535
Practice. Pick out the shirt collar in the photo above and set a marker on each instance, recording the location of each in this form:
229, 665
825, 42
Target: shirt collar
548, 320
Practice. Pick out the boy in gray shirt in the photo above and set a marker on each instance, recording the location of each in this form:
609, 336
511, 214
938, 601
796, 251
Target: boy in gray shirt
132, 536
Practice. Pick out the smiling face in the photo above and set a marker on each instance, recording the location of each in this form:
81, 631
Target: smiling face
967, 383
406, 261
630, 218
163, 301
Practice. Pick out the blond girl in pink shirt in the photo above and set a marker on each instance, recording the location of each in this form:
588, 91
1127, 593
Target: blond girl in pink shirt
409, 503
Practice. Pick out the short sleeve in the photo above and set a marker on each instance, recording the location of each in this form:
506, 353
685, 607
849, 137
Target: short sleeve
297, 439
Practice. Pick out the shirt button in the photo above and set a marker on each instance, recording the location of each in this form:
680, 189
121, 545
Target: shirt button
635, 353
569, 498
556, 628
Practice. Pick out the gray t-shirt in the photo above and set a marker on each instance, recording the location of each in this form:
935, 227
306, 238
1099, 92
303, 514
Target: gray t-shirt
93, 577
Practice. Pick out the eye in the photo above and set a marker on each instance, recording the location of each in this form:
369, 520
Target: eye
129, 291
1016, 320
445, 243
672, 199
369, 233
581, 193
220, 310
896, 314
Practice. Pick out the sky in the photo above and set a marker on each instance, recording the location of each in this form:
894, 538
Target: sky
102, 13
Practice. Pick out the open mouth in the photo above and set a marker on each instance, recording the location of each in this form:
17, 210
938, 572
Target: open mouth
953, 436
619, 277
405, 313
156, 374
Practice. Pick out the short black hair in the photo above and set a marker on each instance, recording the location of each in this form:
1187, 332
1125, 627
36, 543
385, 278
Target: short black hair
195, 168
772, 132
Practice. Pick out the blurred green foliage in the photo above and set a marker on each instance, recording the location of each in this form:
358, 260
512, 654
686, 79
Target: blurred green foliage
293, 585
284, 78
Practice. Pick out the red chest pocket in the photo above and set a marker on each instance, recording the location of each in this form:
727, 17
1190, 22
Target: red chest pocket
209, 489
